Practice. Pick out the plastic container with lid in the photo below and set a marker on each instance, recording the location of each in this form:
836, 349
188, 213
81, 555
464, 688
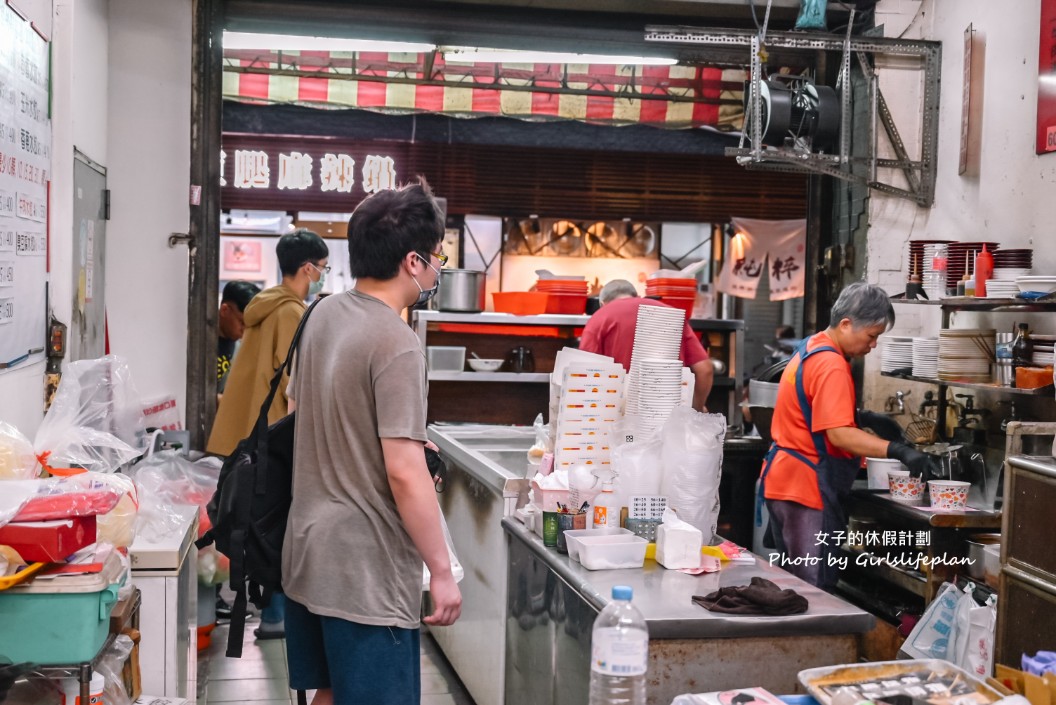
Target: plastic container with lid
443, 358
61, 619
612, 552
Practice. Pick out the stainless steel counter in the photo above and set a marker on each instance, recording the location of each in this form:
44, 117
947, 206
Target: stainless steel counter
665, 596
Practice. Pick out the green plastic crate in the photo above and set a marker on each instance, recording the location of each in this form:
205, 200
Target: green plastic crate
59, 620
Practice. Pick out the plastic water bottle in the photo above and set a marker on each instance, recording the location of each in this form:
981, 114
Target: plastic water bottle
619, 652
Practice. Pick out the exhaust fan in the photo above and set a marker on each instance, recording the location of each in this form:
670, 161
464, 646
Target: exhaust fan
797, 113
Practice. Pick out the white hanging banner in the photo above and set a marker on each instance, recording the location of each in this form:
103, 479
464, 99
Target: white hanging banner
778, 245
745, 262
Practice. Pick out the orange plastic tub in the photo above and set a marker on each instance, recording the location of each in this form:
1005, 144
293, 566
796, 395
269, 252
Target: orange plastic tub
520, 303
569, 304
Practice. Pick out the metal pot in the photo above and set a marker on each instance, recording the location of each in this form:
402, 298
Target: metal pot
461, 290
977, 553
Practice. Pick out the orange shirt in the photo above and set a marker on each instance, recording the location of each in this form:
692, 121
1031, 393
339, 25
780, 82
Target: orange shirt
829, 387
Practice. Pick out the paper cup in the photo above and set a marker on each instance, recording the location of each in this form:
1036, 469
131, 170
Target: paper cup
905, 488
949, 495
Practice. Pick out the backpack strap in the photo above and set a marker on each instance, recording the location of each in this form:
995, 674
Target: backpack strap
243, 503
260, 430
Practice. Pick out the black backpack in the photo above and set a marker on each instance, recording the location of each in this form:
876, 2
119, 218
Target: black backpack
251, 505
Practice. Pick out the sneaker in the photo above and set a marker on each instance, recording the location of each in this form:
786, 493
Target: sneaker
223, 609
270, 631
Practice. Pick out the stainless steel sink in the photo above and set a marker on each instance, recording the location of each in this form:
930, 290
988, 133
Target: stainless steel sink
515, 461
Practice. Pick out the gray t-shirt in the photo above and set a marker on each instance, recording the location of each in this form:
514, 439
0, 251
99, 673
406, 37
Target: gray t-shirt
360, 376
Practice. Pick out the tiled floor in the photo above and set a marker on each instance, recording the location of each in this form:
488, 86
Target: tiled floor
260, 676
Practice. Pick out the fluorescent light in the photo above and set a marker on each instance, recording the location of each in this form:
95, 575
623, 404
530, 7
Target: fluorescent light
292, 42
512, 56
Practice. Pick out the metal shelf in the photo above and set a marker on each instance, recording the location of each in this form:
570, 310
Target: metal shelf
489, 377
987, 387
551, 319
909, 580
971, 303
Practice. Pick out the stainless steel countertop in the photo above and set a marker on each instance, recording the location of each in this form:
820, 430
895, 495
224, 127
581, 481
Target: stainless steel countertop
665, 597
495, 456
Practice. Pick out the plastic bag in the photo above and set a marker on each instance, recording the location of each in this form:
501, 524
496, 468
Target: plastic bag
691, 459
95, 422
110, 666
811, 15
17, 461
930, 637
58, 498
972, 641
635, 461
457, 571
166, 479
118, 526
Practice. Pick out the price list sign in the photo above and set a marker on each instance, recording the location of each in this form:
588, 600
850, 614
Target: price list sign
25, 166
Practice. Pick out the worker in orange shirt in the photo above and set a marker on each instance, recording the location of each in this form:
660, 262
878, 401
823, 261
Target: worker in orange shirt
818, 444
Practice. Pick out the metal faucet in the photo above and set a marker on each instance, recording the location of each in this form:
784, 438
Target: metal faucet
896, 405
1012, 416
969, 410
929, 400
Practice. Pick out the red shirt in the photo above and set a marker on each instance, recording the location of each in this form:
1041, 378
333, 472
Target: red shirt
829, 388
610, 332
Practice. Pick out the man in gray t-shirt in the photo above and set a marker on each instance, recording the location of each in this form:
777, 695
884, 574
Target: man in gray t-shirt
364, 513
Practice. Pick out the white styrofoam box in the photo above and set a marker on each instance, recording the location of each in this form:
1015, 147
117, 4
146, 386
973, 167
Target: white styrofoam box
679, 546
612, 552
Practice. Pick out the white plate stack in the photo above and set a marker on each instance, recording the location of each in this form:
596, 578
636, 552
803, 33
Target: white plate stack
1043, 350
657, 336
926, 357
897, 353
1002, 288
965, 354
1038, 283
660, 391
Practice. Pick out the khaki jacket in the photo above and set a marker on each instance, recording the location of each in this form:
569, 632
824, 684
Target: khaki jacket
271, 320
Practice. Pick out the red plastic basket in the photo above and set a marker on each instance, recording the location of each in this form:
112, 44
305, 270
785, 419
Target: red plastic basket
520, 303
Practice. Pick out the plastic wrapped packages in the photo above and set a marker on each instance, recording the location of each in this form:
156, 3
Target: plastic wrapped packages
110, 666
691, 459
118, 526
80, 495
95, 421
635, 463
166, 479
17, 460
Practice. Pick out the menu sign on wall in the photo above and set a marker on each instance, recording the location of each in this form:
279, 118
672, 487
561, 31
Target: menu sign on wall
25, 165
1046, 136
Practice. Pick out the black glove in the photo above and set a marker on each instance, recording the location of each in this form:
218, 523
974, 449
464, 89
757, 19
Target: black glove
437, 467
881, 424
920, 464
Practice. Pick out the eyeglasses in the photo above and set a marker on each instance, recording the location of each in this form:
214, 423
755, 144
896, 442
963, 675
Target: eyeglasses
440, 256
321, 270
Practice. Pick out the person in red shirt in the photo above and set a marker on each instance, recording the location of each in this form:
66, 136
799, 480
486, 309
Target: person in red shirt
818, 445
610, 332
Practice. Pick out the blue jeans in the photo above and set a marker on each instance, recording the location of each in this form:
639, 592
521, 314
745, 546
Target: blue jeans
275, 612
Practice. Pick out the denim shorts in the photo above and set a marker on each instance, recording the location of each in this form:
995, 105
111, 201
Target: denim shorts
361, 662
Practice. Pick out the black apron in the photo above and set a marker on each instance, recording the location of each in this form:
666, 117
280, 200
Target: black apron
835, 475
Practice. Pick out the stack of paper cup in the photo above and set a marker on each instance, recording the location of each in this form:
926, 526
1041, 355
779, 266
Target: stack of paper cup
657, 336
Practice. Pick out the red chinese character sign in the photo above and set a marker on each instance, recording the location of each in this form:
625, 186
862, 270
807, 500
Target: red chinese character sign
1046, 137
775, 247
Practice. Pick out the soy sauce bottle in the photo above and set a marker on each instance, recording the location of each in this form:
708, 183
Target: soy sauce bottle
1022, 348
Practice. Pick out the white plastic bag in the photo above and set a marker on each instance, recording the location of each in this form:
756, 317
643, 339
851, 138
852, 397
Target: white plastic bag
972, 641
930, 637
167, 479
636, 465
457, 571
96, 421
691, 461
17, 461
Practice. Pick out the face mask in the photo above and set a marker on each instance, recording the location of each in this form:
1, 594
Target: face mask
426, 294
317, 286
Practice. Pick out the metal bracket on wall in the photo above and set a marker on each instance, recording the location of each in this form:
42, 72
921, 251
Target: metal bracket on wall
918, 172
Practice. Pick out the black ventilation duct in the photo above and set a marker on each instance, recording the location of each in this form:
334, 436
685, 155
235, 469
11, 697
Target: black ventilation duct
795, 112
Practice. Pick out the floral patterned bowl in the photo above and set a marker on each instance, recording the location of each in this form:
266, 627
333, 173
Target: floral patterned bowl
905, 488
949, 494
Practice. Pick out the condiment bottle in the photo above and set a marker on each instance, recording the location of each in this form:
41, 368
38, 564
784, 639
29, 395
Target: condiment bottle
1022, 348
606, 509
984, 271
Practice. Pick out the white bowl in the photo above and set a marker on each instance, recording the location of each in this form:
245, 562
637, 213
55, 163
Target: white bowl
877, 469
1045, 285
484, 364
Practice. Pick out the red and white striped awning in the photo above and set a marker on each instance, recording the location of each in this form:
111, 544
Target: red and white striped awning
666, 96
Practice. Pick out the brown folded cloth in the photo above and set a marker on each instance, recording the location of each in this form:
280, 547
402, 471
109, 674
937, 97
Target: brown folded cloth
760, 597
